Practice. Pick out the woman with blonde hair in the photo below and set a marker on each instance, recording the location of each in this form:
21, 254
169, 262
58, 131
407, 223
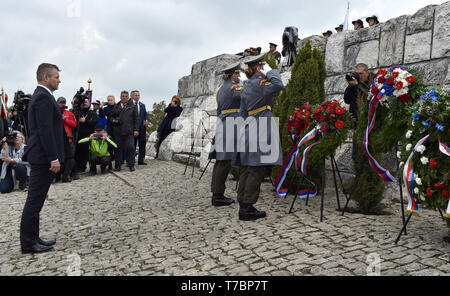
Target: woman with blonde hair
165, 128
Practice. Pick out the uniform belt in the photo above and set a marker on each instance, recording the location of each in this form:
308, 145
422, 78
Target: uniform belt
230, 111
261, 109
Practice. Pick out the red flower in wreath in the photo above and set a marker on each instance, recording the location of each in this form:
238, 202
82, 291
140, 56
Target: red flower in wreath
433, 163
404, 98
445, 194
375, 90
399, 85
395, 74
439, 185
381, 79
410, 79
390, 81
429, 193
339, 124
339, 111
325, 127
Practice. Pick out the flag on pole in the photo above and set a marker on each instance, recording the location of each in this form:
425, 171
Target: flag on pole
346, 17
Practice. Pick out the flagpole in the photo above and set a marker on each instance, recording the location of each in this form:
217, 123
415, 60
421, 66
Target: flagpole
3, 104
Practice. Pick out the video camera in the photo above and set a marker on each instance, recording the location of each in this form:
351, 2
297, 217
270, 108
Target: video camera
78, 100
21, 100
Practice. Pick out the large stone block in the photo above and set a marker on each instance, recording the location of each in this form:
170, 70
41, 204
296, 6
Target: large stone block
362, 35
392, 41
418, 47
441, 36
433, 72
422, 20
447, 79
335, 84
316, 41
334, 56
365, 52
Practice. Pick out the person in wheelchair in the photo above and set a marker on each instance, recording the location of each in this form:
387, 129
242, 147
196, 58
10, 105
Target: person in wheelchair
100, 146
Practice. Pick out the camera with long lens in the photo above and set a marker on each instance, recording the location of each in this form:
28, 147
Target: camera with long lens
10, 139
21, 100
98, 136
349, 76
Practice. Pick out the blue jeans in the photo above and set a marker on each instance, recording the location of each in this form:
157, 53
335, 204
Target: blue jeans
7, 184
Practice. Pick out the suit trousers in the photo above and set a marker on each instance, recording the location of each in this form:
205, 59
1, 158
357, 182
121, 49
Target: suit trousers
125, 150
140, 140
220, 173
40, 180
250, 180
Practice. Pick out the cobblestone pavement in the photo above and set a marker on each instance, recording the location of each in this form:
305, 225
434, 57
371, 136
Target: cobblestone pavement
156, 221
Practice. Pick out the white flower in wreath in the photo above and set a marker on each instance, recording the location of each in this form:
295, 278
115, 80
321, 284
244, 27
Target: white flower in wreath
399, 155
421, 149
422, 198
401, 164
424, 160
418, 181
413, 123
400, 92
409, 134
408, 147
416, 190
402, 75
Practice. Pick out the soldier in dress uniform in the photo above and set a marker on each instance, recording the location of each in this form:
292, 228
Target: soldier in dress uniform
358, 24
273, 53
339, 28
228, 102
327, 34
372, 20
259, 143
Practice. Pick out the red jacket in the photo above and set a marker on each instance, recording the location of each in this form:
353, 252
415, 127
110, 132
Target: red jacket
69, 123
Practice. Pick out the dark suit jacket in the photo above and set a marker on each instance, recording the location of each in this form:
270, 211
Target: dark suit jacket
46, 141
143, 115
127, 119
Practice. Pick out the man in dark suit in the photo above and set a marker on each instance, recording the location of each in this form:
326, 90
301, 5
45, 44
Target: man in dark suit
45, 152
125, 122
143, 122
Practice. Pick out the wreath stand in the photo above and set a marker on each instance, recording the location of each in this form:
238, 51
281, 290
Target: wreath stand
192, 152
335, 170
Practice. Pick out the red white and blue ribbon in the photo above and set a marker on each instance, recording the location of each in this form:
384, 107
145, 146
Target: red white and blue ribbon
384, 173
444, 148
408, 178
294, 155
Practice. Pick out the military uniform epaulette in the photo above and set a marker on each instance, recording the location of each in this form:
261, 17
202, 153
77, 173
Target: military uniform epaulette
236, 86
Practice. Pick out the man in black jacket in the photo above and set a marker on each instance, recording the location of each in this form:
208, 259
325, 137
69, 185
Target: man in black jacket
45, 152
87, 122
125, 122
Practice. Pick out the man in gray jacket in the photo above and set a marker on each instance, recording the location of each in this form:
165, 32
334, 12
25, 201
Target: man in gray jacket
228, 101
259, 145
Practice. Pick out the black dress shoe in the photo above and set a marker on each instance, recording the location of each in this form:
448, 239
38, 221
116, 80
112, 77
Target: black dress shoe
47, 243
248, 213
132, 169
36, 248
118, 169
220, 201
142, 163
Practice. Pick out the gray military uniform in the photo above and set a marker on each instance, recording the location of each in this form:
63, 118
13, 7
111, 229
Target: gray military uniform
228, 102
257, 95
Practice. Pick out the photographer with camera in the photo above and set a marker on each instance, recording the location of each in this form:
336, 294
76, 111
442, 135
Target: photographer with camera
99, 154
86, 124
358, 88
70, 123
13, 168
18, 117
165, 128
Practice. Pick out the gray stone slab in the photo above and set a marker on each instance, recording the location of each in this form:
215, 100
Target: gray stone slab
422, 20
334, 58
433, 72
441, 36
418, 47
365, 52
392, 41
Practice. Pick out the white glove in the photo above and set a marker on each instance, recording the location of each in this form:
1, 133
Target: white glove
266, 68
242, 77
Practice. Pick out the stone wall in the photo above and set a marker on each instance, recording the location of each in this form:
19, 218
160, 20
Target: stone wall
420, 41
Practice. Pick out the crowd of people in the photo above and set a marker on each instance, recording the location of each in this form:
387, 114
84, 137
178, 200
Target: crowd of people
104, 134
357, 25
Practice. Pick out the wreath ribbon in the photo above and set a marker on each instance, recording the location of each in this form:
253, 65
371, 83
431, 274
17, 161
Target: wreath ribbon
384, 173
294, 155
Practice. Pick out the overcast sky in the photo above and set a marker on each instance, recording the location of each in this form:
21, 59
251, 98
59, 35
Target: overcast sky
150, 45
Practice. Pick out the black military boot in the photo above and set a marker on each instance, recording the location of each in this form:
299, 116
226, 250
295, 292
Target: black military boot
219, 200
247, 212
